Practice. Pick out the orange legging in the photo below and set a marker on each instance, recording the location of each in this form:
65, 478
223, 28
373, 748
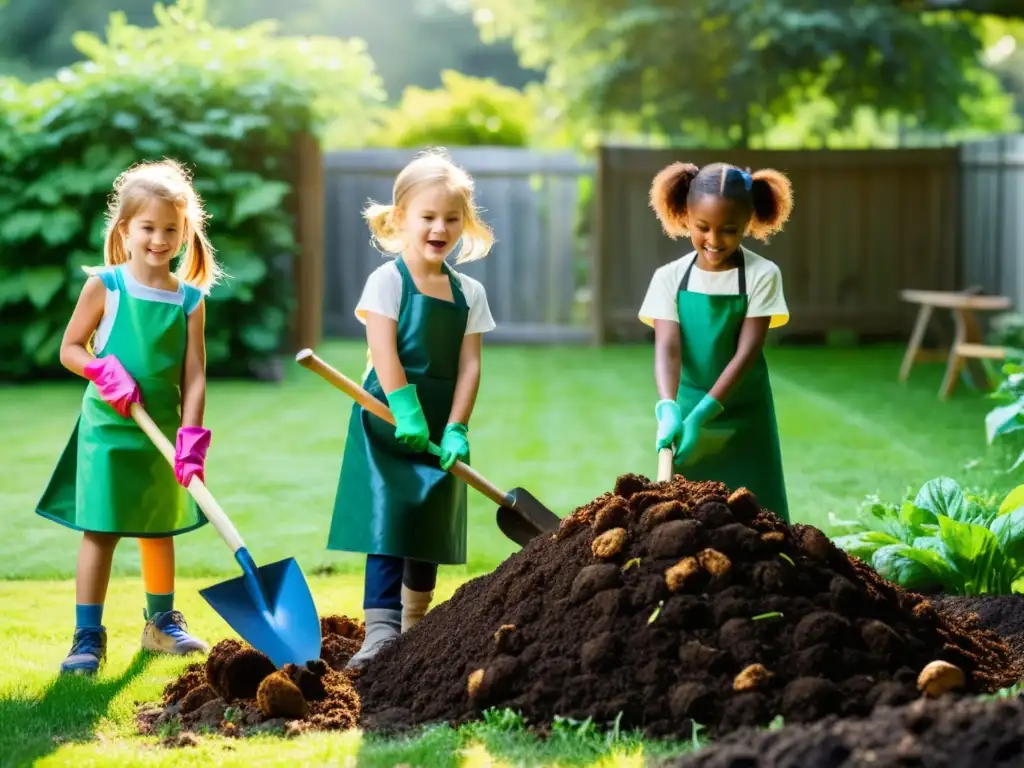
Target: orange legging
157, 565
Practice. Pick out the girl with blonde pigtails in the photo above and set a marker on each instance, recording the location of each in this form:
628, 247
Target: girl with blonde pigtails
396, 501
137, 336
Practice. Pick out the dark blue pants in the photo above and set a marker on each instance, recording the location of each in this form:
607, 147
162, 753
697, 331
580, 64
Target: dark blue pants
385, 576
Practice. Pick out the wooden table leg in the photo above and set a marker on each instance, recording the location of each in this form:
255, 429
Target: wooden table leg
968, 331
924, 314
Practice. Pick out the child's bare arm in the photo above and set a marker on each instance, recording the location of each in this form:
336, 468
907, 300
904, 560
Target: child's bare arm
382, 337
86, 316
468, 382
193, 385
751, 341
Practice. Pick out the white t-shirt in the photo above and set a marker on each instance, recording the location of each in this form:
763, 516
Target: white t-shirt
383, 294
764, 288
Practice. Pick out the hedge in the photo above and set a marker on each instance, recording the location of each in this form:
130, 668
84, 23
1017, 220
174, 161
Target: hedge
226, 102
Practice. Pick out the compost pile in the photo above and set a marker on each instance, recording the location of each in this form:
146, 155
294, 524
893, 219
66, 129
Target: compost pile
931, 734
665, 604
238, 691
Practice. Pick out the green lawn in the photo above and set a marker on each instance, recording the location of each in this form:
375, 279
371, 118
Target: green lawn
47, 720
562, 422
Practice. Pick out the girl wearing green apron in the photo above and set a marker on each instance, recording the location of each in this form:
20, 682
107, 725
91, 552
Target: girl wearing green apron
424, 321
711, 311
136, 335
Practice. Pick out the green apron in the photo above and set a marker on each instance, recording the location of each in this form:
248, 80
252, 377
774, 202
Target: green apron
392, 500
110, 477
752, 458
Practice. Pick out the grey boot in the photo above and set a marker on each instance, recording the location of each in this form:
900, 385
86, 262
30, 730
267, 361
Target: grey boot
382, 625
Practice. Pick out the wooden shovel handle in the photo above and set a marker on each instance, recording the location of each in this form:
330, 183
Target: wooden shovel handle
664, 465
196, 486
307, 358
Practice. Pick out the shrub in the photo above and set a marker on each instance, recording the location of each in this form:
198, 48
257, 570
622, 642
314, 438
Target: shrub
229, 104
467, 111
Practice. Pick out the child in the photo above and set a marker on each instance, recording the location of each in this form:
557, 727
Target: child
711, 310
424, 321
145, 327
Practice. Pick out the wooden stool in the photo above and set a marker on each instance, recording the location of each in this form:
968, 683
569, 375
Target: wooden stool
968, 342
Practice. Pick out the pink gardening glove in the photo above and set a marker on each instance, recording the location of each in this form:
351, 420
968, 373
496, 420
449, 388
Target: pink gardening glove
115, 385
190, 454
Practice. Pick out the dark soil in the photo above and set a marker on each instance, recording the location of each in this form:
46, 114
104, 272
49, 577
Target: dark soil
238, 691
1003, 614
669, 603
968, 733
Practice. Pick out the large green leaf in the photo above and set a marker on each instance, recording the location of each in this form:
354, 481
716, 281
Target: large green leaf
1003, 420
41, 284
942, 497
258, 200
973, 551
1009, 532
893, 562
864, 545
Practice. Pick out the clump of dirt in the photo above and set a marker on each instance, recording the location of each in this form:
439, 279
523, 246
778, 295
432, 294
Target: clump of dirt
238, 691
968, 732
665, 604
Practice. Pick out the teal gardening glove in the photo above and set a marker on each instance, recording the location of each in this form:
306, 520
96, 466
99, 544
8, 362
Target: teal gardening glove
670, 424
706, 410
454, 445
410, 424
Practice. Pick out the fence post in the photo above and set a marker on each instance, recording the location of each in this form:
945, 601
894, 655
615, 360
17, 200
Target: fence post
308, 268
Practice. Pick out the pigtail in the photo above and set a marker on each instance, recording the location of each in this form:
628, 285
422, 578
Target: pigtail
477, 238
668, 197
385, 234
198, 266
772, 195
114, 252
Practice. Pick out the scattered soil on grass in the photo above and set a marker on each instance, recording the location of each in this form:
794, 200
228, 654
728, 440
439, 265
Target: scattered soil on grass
928, 733
669, 603
1003, 614
238, 691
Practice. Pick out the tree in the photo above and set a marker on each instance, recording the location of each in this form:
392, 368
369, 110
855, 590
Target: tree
728, 69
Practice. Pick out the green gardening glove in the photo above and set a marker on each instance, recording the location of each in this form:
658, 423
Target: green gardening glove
454, 445
706, 410
670, 424
410, 424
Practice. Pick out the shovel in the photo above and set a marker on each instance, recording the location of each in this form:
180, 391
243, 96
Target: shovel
270, 607
709, 442
520, 516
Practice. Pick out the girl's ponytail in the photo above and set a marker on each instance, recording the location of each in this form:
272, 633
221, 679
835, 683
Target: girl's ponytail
772, 196
198, 266
385, 234
669, 191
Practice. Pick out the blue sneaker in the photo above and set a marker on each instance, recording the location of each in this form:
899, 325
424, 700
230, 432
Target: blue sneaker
88, 650
167, 632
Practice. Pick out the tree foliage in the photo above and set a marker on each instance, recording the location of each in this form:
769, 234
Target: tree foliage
733, 68
226, 102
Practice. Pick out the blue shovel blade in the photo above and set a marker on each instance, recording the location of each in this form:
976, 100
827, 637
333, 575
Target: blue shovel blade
271, 608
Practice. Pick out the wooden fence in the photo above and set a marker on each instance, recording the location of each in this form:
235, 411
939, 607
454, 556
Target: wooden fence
530, 199
992, 236
865, 225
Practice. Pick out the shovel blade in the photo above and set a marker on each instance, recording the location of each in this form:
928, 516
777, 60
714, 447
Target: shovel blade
282, 623
526, 518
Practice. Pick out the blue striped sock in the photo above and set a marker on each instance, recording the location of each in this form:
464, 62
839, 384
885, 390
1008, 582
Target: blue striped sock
88, 615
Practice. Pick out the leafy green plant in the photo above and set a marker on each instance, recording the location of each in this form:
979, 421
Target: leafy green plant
942, 539
229, 104
1008, 417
